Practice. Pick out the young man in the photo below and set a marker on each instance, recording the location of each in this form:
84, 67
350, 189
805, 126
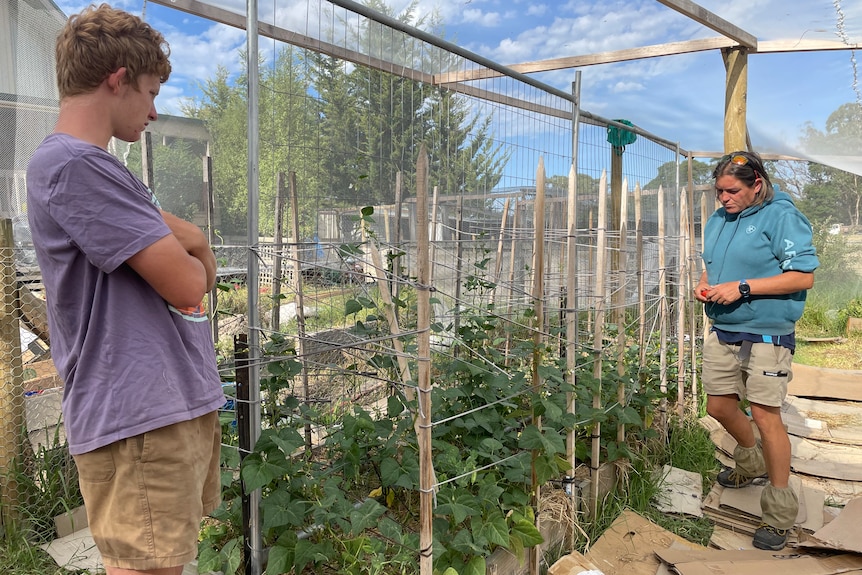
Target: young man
124, 283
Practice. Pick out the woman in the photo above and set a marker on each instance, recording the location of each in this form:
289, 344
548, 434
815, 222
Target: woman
759, 262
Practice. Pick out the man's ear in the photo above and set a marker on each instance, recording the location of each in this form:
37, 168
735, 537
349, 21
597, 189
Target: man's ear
117, 79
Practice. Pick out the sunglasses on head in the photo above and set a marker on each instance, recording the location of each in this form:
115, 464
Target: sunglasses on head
737, 159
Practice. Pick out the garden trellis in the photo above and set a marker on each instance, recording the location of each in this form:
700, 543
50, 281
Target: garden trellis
526, 253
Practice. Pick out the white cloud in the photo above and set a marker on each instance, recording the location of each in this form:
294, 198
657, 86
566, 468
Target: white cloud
477, 16
537, 9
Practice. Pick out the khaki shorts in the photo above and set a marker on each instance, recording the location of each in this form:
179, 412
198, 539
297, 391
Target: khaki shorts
146, 495
760, 378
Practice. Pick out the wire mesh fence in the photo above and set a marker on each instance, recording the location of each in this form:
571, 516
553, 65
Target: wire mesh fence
558, 297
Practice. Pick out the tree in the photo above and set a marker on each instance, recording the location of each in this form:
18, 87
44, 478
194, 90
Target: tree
833, 194
666, 175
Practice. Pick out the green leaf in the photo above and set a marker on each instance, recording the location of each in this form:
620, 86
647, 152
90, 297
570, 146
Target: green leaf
365, 516
256, 472
495, 530
209, 560
532, 438
280, 559
351, 307
527, 533
458, 511
476, 566
367, 210
279, 509
287, 440
233, 554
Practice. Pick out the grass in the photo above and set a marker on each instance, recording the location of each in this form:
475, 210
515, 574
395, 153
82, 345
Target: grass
18, 556
843, 354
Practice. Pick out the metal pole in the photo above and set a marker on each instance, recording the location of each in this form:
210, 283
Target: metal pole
254, 544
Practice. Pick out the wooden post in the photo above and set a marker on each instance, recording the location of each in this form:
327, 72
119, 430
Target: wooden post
423, 326
299, 297
735, 96
277, 248
211, 234
538, 338
598, 335
12, 427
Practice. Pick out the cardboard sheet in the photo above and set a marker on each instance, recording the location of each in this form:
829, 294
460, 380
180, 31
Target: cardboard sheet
844, 533
706, 561
680, 492
628, 546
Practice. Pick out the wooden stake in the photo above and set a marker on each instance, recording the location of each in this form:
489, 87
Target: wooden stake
620, 304
682, 297
538, 336
598, 334
423, 325
498, 265
211, 233
639, 255
663, 311
278, 246
12, 428
299, 299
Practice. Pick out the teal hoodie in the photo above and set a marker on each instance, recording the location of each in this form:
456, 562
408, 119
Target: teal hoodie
761, 241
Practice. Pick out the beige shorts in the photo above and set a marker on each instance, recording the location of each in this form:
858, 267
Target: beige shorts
146, 495
761, 378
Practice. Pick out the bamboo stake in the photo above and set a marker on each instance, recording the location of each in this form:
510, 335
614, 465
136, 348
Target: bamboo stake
620, 305
299, 299
538, 337
598, 334
276, 271
663, 312
423, 302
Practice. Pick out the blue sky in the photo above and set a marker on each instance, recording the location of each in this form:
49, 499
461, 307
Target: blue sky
680, 98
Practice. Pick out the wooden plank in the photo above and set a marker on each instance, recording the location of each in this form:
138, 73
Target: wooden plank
713, 21
824, 382
835, 421
803, 45
608, 57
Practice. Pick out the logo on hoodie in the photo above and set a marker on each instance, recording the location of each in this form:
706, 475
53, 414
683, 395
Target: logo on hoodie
751, 229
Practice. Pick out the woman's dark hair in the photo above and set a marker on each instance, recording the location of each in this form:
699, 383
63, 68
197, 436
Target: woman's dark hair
746, 167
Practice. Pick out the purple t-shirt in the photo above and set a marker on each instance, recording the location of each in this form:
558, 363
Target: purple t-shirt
130, 362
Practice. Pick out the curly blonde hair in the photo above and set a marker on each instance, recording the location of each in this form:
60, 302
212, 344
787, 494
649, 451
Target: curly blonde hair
98, 41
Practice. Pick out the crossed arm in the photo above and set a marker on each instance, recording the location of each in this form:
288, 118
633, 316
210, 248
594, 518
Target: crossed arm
181, 267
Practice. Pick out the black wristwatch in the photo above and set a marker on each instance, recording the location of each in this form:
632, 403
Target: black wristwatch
744, 289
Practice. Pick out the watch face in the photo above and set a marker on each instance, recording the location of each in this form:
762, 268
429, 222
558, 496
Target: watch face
744, 288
